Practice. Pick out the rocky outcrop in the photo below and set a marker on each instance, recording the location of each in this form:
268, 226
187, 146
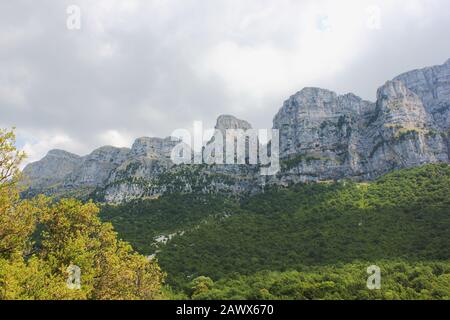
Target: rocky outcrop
225, 122
104, 166
95, 169
432, 86
318, 121
319, 133
51, 170
323, 136
403, 134
153, 148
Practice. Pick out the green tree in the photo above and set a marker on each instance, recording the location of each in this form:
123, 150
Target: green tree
201, 285
66, 233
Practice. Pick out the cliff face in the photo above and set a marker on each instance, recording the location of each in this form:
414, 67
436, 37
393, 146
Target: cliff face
404, 133
432, 86
319, 135
323, 136
326, 136
52, 169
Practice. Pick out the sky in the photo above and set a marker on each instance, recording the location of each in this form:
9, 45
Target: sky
148, 67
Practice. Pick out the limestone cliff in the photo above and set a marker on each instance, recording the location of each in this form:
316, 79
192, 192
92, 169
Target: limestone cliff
323, 136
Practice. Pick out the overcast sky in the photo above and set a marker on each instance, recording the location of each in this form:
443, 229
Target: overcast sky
145, 68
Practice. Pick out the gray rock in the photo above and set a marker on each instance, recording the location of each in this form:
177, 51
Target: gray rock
319, 123
225, 122
403, 133
51, 170
95, 168
432, 85
323, 136
153, 148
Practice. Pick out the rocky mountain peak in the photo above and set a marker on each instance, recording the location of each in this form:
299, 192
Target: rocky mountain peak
54, 167
108, 154
323, 136
153, 147
395, 89
316, 121
432, 86
109, 150
62, 154
311, 101
400, 107
316, 104
225, 122
311, 94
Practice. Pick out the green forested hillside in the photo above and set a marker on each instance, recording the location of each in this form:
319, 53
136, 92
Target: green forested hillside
141, 221
399, 280
404, 216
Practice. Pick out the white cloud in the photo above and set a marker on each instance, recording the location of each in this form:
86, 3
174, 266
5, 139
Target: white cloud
37, 146
147, 67
267, 68
116, 139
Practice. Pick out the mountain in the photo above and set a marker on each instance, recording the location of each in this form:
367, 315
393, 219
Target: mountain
323, 136
52, 169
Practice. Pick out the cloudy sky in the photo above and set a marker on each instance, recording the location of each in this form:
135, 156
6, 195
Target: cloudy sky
147, 67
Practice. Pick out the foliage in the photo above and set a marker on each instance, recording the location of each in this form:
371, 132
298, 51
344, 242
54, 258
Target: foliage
69, 233
10, 159
401, 216
399, 280
141, 221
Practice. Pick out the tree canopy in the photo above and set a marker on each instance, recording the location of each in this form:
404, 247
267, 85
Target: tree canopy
41, 239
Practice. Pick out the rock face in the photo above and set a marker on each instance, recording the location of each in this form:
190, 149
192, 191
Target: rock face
104, 166
404, 133
432, 86
323, 136
52, 169
319, 133
317, 121
326, 136
153, 148
95, 169
150, 172
225, 122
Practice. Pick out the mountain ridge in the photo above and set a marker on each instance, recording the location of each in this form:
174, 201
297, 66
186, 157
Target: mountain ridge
323, 136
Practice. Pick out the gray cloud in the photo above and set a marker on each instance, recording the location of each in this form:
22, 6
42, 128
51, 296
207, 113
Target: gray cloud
148, 67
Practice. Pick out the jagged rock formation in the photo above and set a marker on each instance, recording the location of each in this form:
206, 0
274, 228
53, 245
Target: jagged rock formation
225, 122
323, 136
319, 132
432, 86
52, 169
105, 166
95, 169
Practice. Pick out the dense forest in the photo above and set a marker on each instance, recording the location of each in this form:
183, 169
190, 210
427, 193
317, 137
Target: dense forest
402, 217
399, 280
